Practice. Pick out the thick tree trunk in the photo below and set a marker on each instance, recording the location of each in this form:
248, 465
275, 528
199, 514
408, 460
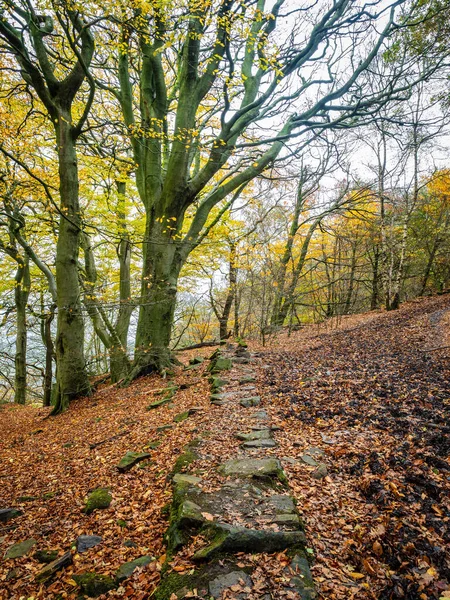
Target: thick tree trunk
374, 299
161, 268
49, 356
22, 291
71, 375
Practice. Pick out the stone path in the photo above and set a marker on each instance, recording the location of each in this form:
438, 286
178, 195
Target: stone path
245, 509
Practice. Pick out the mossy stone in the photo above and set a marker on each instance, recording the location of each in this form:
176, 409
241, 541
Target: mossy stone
98, 499
181, 417
20, 549
197, 360
46, 556
130, 459
126, 570
93, 584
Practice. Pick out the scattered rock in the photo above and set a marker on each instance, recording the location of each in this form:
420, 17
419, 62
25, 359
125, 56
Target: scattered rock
98, 499
181, 417
252, 401
260, 414
320, 472
84, 542
130, 544
153, 444
159, 403
197, 360
290, 460
27, 498
130, 459
240, 361
126, 570
221, 583
315, 452
93, 584
45, 556
7, 514
164, 427
308, 460
59, 563
20, 549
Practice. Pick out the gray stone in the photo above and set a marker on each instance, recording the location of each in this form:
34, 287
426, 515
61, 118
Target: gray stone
259, 444
282, 503
240, 361
228, 539
290, 460
130, 459
247, 379
127, 569
262, 434
8, 513
184, 478
320, 472
252, 401
60, 563
308, 460
84, 542
197, 360
20, 549
221, 364
221, 583
260, 414
45, 556
287, 519
164, 427
252, 467
315, 452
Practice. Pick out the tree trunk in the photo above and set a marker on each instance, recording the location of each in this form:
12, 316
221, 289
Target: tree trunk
161, 268
22, 291
71, 375
374, 299
119, 363
223, 320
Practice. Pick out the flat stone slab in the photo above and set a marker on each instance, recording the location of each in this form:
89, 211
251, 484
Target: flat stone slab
84, 542
261, 434
20, 549
130, 459
223, 582
255, 444
252, 467
247, 379
184, 478
252, 401
52, 568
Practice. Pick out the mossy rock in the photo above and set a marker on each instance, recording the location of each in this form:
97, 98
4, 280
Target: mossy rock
223, 538
258, 468
93, 584
164, 427
251, 401
130, 459
98, 499
158, 403
220, 364
262, 434
154, 444
46, 556
181, 417
197, 360
6, 514
127, 569
20, 549
188, 456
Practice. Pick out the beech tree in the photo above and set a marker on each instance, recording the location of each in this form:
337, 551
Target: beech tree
211, 92
55, 73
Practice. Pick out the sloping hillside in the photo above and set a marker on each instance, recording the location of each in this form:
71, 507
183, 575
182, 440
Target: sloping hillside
361, 419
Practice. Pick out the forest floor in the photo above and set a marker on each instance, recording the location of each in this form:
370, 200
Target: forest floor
372, 391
